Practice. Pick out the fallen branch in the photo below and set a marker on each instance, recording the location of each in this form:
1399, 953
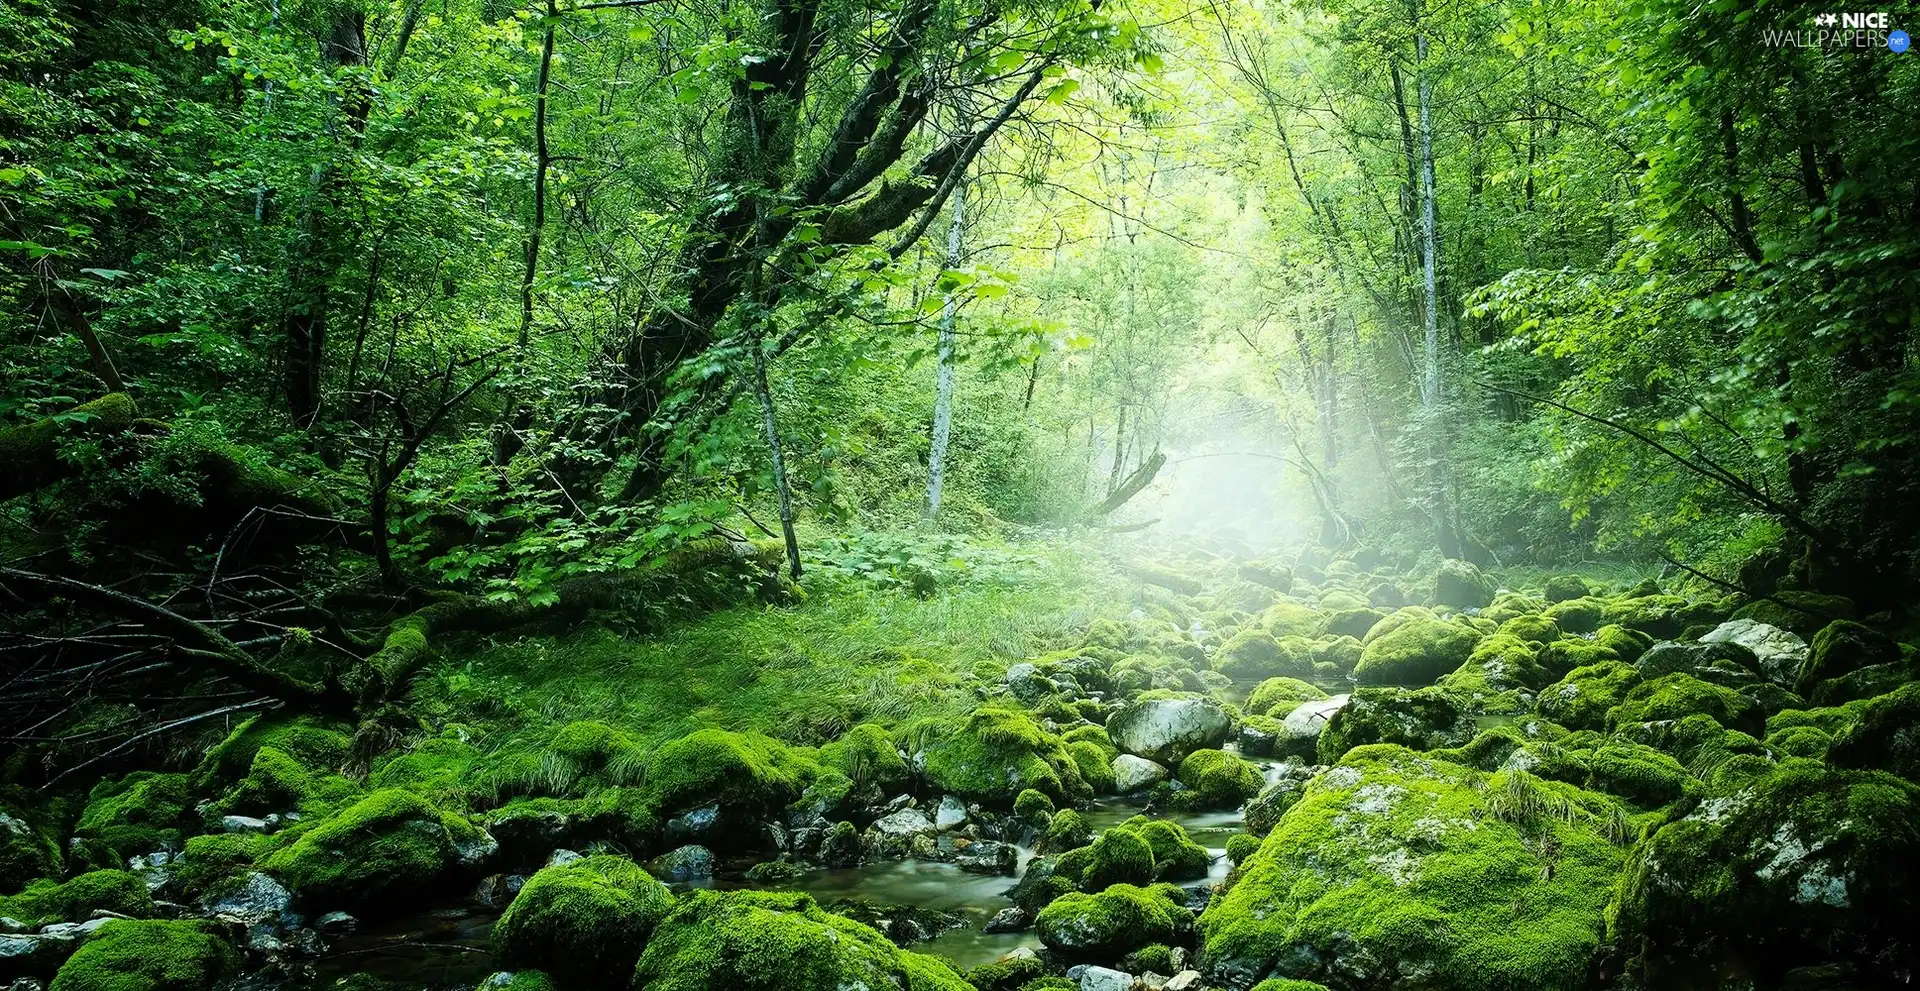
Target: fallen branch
1141, 478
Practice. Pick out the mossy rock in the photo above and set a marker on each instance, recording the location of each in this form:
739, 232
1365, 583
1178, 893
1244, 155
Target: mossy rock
1118, 856
1416, 652
1288, 984
1531, 628
1583, 615
312, 742
1166, 726
1884, 735
1008, 974
1840, 648
216, 862
26, 853
1560, 588
1499, 663
1396, 869
1510, 605
1218, 779
1240, 846
1582, 699
867, 756
997, 753
1804, 613
1176, 857
149, 955
140, 813
1460, 584
1869, 682
436, 767
748, 775
777, 941
1110, 923
1351, 622
1806, 865
1677, 696
1253, 654
1285, 619
280, 782
1278, 696
47, 901
583, 922
386, 852
1638, 773
1095, 764
1661, 616
1396, 619
1627, 644
1067, 830
519, 980
1423, 719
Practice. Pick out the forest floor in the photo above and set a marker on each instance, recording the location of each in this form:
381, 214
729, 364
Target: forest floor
1068, 769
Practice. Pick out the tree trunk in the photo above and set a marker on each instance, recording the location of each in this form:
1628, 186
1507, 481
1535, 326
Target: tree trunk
943, 371
541, 160
771, 424
1430, 383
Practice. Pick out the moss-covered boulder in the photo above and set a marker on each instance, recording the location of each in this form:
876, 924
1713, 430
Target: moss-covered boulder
1352, 622
1677, 696
138, 814
1502, 662
1582, 699
1659, 615
1560, 588
1118, 856
279, 782
776, 941
1626, 644
584, 922
312, 742
1396, 870
47, 900
386, 852
1165, 727
1416, 652
1582, 615
1422, 719
748, 775
1807, 865
997, 753
1176, 857
1804, 613
25, 852
1884, 734
1218, 780
149, 955
1278, 696
1840, 648
1460, 584
1110, 923
1638, 773
1253, 654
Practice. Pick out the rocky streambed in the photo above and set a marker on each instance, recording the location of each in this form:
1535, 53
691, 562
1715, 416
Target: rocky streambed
1264, 777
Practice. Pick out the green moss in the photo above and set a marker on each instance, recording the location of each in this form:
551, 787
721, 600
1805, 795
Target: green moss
1109, 923
520, 980
1351, 621
1458, 583
767, 941
1499, 663
1804, 613
747, 773
1416, 652
1067, 830
1253, 654
1677, 696
1012, 974
1627, 644
1119, 856
128, 955
1581, 615
1278, 696
1413, 865
386, 851
1422, 719
867, 756
279, 782
1176, 857
213, 861
1800, 741
437, 768
1560, 588
1804, 865
140, 813
311, 742
1638, 773
997, 753
1582, 699
1032, 806
1284, 619
25, 852
1240, 846
1219, 779
46, 901
1885, 735
1095, 765
1843, 647
583, 922
1532, 628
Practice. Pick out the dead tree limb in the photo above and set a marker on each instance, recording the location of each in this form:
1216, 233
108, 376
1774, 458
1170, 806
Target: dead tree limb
1129, 487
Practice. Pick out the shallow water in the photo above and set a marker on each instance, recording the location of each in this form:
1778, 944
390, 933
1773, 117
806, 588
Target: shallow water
442, 949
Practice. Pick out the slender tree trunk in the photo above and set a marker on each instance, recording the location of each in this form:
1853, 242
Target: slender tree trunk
1431, 396
1119, 450
772, 427
542, 158
943, 371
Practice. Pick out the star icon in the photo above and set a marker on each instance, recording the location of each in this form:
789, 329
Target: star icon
1825, 20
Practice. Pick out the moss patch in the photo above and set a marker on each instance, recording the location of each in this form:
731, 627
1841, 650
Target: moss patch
583, 922
148, 956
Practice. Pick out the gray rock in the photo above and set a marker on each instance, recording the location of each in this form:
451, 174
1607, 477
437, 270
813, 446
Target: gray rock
841, 846
1103, 979
10, 925
1166, 730
688, 863
1779, 652
477, 850
1300, 730
1131, 774
893, 837
952, 814
26, 984
1027, 683
242, 824
259, 899
988, 857
1667, 657
336, 923
33, 952
695, 825
494, 891
1186, 980
78, 931
558, 857
1010, 920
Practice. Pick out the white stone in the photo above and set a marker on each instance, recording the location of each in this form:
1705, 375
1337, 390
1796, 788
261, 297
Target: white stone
1780, 652
1102, 979
1169, 729
951, 814
1184, 980
1131, 774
